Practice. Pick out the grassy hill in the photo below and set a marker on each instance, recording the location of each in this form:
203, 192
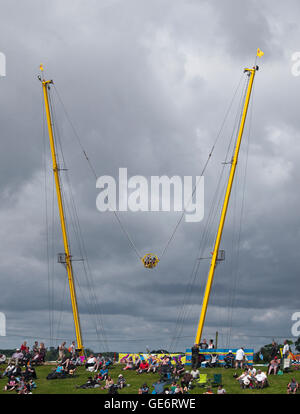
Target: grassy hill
278, 383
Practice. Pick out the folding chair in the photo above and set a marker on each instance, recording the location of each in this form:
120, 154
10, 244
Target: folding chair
217, 380
202, 381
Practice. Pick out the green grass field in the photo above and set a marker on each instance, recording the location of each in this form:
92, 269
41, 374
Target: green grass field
277, 383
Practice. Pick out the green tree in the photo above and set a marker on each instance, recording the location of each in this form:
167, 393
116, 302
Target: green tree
297, 344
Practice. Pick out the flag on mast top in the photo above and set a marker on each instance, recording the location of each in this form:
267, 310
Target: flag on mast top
259, 53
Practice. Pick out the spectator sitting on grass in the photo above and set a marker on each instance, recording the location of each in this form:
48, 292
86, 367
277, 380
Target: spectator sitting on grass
261, 379
108, 383
144, 366
17, 356
244, 379
292, 386
195, 373
2, 359
11, 385
121, 381
100, 361
8, 370
60, 369
274, 366
103, 373
27, 358
159, 387
91, 363
31, 385
22, 386
144, 389
90, 383
221, 390
179, 368
108, 362
35, 347
252, 371
66, 362
186, 380
138, 361
153, 367
179, 389
30, 373
229, 359
213, 361
129, 364
173, 387
113, 389
16, 371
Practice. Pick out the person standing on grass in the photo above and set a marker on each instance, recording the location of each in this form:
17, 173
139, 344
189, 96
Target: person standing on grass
286, 349
239, 358
72, 349
195, 356
61, 351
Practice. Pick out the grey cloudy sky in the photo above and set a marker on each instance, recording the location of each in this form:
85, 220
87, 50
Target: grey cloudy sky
147, 85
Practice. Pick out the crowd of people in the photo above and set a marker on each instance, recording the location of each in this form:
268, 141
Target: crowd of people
173, 378
20, 371
252, 379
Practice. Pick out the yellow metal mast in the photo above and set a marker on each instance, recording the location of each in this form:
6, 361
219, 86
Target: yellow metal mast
46, 85
251, 74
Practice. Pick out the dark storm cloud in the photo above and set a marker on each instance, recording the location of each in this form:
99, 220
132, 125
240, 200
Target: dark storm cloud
147, 86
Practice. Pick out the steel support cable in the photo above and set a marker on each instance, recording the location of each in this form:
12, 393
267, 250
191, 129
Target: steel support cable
181, 320
235, 185
203, 170
231, 145
58, 145
120, 340
50, 294
207, 233
125, 231
242, 214
71, 206
232, 142
87, 271
194, 189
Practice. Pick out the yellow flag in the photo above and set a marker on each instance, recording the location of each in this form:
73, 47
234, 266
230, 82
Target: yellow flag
260, 53
41, 67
